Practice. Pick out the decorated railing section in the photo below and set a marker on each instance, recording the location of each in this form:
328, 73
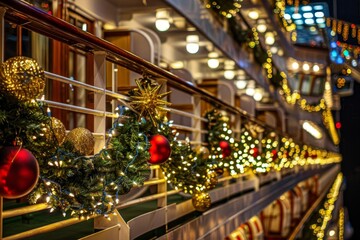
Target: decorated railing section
83, 184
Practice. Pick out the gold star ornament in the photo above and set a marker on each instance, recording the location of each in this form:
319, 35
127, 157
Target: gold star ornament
147, 100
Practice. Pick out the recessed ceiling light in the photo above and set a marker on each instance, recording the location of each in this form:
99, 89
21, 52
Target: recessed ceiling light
319, 14
308, 15
296, 16
309, 21
253, 15
306, 8
318, 7
320, 20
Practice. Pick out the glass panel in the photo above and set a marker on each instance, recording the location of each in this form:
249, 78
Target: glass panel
10, 40
306, 85
318, 86
294, 81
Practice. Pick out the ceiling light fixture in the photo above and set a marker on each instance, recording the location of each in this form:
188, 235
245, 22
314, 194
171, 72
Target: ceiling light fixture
213, 61
306, 67
295, 65
253, 14
261, 26
312, 129
269, 38
241, 84
192, 44
162, 22
316, 68
229, 72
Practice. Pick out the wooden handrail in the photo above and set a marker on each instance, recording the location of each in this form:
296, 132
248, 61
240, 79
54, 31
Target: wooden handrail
37, 20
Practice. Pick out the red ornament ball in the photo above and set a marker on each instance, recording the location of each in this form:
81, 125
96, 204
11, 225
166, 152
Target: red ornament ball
160, 149
255, 152
226, 149
274, 154
19, 172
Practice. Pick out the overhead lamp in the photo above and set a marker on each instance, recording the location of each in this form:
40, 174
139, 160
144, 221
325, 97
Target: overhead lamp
306, 8
312, 129
253, 14
273, 49
241, 84
308, 15
258, 94
318, 7
250, 91
287, 16
269, 38
162, 22
229, 72
213, 61
316, 68
309, 21
261, 26
295, 65
296, 16
306, 67
250, 88
319, 14
192, 44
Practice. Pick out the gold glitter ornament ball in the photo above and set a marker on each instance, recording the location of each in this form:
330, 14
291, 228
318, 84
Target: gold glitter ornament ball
202, 151
201, 201
22, 78
58, 129
82, 140
211, 179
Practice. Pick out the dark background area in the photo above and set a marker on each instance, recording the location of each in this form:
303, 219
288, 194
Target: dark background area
349, 10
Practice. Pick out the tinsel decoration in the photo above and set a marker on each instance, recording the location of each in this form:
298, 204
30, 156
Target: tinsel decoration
146, 99
19, 172
81, 140
22, 78
201, 201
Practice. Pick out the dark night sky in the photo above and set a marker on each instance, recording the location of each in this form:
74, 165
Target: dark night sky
349, 10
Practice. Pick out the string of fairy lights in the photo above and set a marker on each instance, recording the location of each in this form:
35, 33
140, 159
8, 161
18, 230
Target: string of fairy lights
325, 212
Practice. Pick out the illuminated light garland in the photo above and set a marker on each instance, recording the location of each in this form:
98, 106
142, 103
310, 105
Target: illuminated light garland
293, 97
341, 224
343, 28
330, 125
325, 213
279, 9
225, 8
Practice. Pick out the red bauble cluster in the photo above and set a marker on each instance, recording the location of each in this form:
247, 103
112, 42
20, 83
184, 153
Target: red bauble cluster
19, 172
160, 149
225, 148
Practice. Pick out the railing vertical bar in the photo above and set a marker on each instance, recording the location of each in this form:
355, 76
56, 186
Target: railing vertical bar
100, 98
